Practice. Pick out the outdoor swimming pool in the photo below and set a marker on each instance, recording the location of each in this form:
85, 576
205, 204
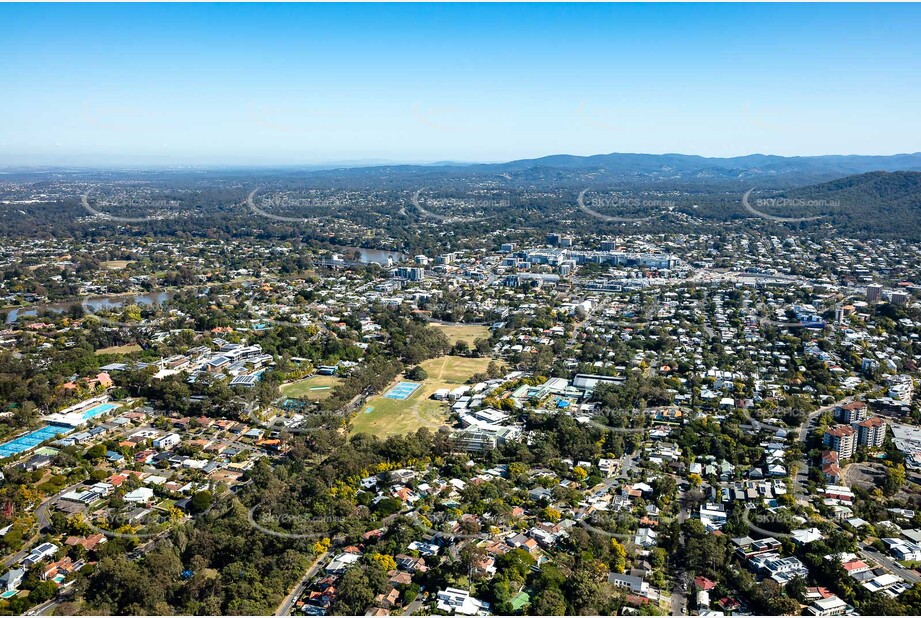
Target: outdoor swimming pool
97, 410
402, 390
32, 439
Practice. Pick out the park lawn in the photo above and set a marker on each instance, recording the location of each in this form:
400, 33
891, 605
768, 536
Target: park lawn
468, 333
120, 349
301, 389
395, 416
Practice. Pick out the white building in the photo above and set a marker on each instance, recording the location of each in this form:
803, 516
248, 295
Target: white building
341, 563
42, 552
781, 570
829, 606
634, 584
457, 601
141, 494
167, 442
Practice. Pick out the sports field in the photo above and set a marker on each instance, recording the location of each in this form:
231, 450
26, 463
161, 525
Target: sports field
116, 264
463, 333
400, 416
310, 389
120, 349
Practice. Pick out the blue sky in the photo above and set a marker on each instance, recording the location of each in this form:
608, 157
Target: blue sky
299, 84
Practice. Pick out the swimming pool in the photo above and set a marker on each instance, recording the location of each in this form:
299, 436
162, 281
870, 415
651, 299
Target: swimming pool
97, 410
402, 390
32, 439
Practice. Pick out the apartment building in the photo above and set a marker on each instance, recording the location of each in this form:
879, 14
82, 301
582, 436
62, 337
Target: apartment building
851, 413
871, 432
841, 440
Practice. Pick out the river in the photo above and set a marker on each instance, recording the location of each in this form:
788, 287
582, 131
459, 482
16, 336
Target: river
99, 303
369, 256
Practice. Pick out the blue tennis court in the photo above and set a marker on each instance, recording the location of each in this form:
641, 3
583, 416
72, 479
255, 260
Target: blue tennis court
402, 390
31, 440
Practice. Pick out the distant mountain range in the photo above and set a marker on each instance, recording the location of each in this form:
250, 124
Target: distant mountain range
626, 170
762, 170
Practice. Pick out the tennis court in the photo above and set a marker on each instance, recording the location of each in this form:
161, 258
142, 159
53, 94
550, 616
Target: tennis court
402, 390
31, 440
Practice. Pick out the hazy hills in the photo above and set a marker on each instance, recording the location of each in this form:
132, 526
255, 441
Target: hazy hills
625, 168
622, 169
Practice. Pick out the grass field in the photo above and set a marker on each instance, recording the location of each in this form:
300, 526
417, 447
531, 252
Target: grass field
393, 416
463, 333
120, 349
301, 389
116, 264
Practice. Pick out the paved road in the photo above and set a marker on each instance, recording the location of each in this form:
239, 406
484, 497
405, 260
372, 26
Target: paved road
41, 610
679, 599
43, 520
868, 552
285, 608
679, 603
802, 474
413, 607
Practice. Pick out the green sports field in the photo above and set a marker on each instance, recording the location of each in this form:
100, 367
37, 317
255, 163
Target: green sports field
400, 416
310, 389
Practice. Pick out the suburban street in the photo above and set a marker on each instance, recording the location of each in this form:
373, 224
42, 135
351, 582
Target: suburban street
42, 520
285, 608
868, 552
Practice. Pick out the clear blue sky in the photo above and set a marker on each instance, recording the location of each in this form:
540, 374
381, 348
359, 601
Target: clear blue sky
268, 84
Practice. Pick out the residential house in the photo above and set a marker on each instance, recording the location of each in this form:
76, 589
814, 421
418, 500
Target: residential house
781, 570
828, 606
457, 601
633, 583
11, 579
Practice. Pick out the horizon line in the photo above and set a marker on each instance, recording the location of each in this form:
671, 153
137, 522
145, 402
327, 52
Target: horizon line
378, 163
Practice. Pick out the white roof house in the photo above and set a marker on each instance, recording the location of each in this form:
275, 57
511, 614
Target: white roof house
341, 563
457, 601
141, 494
